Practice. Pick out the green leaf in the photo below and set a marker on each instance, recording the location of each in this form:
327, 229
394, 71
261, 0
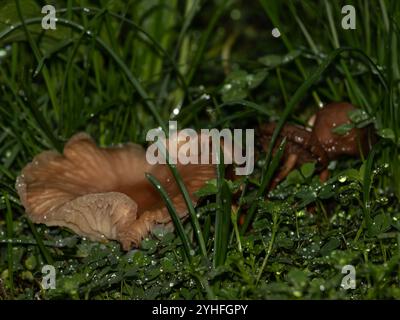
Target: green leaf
351, 174
343, 128
209, 188
331, 245
274, 60
307, 195
238, 84
326, 192
148, 244
254, 80
294, 178
380, 224
387, 133
283, 241
358, 115
297, 277
307, 169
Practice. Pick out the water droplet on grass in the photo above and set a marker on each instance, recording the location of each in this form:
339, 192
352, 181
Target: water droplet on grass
275, 33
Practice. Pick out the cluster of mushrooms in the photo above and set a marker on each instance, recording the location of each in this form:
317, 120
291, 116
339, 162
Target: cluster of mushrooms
318, 143
103, 193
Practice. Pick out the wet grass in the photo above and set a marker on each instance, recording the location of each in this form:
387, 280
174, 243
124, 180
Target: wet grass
122, 68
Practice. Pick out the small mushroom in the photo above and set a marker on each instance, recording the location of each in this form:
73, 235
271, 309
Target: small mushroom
301, 147
102, 193
336, 145
298, 141
319, 145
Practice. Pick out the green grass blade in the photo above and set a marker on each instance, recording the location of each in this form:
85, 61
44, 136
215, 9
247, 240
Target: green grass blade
223, 214
38, 56
265, 180
10, 235
43, 250
174, 215
205, 37
367, 185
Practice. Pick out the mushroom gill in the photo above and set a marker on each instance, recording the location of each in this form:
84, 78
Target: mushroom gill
102, 193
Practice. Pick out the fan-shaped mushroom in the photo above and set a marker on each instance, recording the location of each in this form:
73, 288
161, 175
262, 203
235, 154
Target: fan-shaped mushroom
102, 193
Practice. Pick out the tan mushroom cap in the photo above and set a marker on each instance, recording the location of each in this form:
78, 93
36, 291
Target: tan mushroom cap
102, 193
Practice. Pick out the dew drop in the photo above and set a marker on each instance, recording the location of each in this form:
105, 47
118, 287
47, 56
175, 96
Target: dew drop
176, 111
276, 33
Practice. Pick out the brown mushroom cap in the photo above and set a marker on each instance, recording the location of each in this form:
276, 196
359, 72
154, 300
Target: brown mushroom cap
321, 144
102, 193
335, 145
299, 141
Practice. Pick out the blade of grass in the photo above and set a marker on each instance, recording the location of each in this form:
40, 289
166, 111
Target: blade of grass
182, 188
272, 13
34, 111
367, 185
205, 38
275, 227
266, 178
174, 215
222, 217
43, 250
38, 56
10, 235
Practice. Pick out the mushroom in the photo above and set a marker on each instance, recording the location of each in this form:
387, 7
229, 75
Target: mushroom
102, 193
318, 145
300, 148
336, 145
